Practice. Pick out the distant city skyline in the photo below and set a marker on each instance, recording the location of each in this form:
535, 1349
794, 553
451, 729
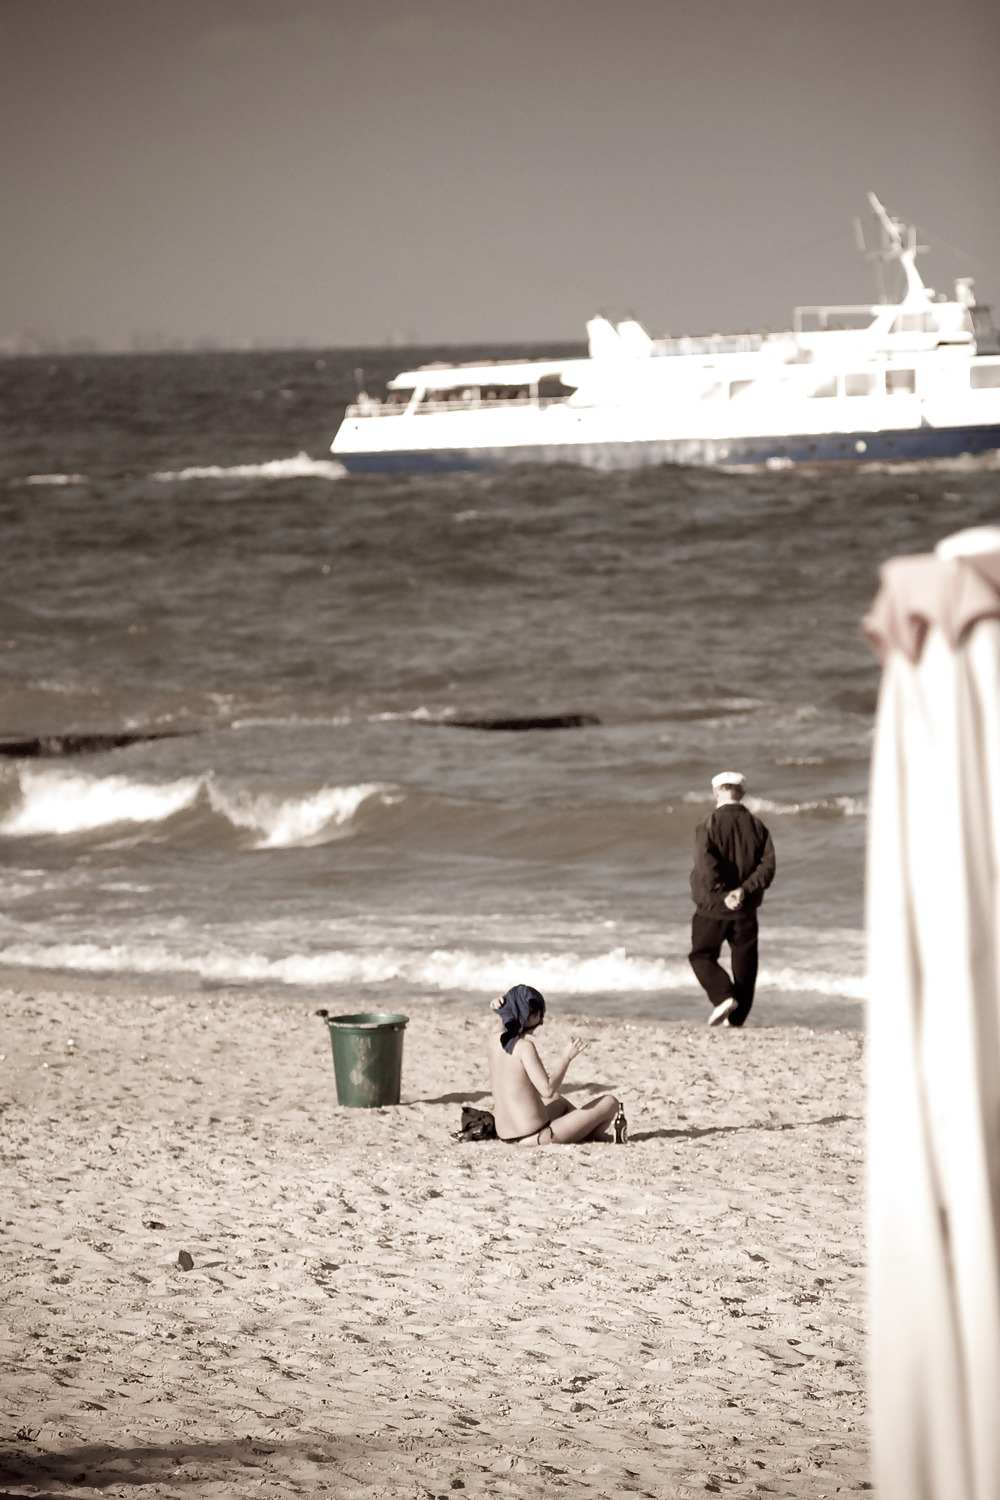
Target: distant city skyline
271, 173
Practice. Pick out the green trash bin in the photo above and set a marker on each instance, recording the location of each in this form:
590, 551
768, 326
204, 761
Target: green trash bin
367, 1058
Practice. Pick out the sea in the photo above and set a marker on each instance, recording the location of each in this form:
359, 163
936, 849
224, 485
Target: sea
180, 556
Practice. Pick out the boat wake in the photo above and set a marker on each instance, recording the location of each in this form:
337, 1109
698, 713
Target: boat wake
299, 467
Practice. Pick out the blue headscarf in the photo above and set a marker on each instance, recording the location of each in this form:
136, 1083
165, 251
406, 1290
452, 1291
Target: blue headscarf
518, 1003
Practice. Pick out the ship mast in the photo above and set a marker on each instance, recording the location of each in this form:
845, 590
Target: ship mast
893, 248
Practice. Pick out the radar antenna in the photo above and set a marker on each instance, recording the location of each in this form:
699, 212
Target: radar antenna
892, 248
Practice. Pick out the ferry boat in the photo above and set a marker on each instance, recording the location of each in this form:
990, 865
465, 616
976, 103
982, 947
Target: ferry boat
914, 379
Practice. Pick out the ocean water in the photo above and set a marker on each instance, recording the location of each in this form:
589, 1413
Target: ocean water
181, 555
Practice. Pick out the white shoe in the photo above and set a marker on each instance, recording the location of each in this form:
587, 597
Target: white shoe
722, 1010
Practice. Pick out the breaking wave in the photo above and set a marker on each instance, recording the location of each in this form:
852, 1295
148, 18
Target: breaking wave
67, 802
299, 467
440, 970
59, 803
293, 822
837, 807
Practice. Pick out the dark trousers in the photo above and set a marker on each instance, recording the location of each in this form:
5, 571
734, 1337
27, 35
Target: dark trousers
707, 937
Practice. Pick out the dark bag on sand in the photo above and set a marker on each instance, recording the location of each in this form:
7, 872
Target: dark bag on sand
477, 1125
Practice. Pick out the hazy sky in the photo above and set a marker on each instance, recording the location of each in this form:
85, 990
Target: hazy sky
451, 170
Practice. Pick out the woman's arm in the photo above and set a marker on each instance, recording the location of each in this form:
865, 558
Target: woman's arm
548, 1084
573, 1049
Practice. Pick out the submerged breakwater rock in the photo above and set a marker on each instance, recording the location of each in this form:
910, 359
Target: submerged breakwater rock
517, 722
47, 746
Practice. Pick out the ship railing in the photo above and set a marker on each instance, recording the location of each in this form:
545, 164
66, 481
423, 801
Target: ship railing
709, 343
373, 408
851, 317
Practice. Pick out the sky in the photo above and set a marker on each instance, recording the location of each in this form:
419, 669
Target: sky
339, 173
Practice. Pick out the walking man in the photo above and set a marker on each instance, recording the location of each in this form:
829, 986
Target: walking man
733, 867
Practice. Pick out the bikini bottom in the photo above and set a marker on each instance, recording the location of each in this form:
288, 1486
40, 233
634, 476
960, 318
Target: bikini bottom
513, 1140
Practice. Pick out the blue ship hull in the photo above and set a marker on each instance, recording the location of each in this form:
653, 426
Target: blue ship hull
907, 445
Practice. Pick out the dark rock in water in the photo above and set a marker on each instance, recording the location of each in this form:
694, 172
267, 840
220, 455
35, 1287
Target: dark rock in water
185, 1261
518, 723
856, 700
45, 745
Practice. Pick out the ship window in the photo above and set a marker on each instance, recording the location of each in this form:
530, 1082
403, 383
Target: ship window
737, 387
859, 385
505, 393
921, 322
451, 395
432, 400
825, 387
984, 377
900, 382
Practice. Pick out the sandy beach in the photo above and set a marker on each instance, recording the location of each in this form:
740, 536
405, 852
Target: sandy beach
377, 1310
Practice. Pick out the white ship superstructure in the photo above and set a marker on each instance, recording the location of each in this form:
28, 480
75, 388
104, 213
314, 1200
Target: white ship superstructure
882, 382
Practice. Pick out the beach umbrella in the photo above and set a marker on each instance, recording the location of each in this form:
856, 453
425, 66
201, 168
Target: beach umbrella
933, 916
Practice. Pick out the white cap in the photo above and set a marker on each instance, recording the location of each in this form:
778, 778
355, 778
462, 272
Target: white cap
969, 543
728, 778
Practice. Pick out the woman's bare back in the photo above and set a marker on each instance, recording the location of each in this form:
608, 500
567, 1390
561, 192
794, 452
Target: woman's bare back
517, 1102
526, 1105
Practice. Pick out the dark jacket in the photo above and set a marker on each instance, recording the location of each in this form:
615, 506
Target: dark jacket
731, 848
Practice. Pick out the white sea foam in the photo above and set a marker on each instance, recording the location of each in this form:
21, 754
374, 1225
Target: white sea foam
814, 981
845, 807
57, 803
10, 890
294, 721
421, 714
64, 802
962, 463
55, 479
443, 969
299, 467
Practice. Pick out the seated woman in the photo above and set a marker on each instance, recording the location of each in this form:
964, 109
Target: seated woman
526, 1104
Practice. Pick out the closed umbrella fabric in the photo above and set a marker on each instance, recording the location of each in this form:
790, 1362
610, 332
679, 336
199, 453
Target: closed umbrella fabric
933, 913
